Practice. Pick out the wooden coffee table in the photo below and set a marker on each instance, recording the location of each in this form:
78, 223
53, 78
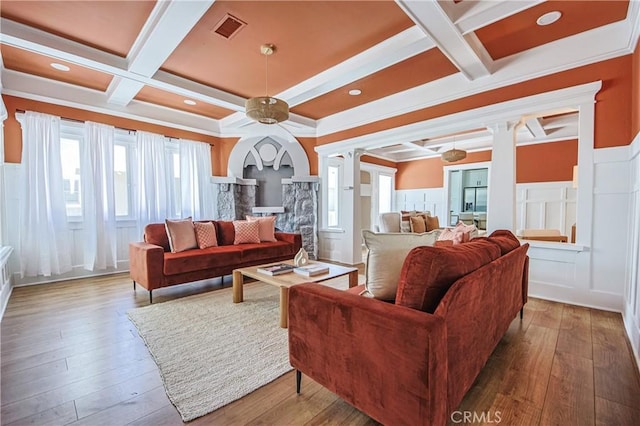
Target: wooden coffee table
285, 281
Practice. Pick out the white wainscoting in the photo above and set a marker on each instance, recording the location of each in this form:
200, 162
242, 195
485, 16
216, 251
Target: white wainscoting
631, 312
428, 199
546, 205
126, 232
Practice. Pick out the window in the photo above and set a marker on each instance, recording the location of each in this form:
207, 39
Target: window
333, 196
385, 201
70, 156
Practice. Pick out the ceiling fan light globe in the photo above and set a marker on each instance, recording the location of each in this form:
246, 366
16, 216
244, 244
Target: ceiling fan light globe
267, 110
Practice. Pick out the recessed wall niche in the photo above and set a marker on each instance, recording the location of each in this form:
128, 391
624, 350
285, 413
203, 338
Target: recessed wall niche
268, 162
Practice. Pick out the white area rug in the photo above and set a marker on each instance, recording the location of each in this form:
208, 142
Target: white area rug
211, 351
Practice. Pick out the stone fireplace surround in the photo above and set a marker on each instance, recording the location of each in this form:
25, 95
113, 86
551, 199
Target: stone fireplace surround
235, 196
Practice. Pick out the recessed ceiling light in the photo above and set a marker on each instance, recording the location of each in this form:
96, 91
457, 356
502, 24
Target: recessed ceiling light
549, 18
189, 102
59, 67
355, 92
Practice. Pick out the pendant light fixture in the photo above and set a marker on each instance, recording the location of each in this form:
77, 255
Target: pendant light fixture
267, 109
453, 155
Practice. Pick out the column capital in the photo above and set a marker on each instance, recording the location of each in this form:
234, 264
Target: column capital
502, 126
355, 152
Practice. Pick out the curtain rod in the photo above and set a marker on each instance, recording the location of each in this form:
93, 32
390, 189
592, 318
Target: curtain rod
75, 120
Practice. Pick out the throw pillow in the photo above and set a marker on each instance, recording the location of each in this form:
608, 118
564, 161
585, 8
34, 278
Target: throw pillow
417, 224
205, 234
463, 233
432, 223
266, 227
385, 257
181, 234
246, 232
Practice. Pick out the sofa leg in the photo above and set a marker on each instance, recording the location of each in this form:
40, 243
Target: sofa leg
150, 297
521, 312
298, 381
134, 286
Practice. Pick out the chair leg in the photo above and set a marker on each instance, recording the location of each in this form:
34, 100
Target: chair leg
298, 381
521, 312
150, 297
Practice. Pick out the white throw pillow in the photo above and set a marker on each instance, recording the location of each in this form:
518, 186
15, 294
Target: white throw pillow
386, 256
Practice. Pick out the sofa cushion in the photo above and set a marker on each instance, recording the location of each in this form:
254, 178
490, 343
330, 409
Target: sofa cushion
225, 231
505, 239
385, 257
156, 233
428, 272
265, 251
181, 234
205, 234
201, 259
266, 227
246, 232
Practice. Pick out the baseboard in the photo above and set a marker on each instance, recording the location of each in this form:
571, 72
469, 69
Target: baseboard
572, 296
76, 273
633, 334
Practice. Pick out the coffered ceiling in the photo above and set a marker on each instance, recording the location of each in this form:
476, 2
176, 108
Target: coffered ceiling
140, 58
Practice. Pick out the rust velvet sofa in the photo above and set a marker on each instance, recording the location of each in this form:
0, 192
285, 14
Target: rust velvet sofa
153, 265
412, 361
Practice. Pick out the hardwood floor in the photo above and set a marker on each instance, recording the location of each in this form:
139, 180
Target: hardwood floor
69, 355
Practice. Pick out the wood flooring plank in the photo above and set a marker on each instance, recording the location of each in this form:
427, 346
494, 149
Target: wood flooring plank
528, 375
570, 393
12, 379
509, 410
60, 415
40, 400
611, 413
113, 395
341, 413
127, 411
165, 416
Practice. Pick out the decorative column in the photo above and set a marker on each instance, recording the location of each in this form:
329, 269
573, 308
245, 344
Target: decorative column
501, 200
351, 207
235, 198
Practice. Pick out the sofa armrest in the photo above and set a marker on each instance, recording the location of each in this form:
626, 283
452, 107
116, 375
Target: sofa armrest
146, 264
290, 237
389, 361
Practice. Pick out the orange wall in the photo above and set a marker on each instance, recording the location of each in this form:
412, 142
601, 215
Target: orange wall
220, 147
613, 115
429, 173
546, 162
559, 159
635, 93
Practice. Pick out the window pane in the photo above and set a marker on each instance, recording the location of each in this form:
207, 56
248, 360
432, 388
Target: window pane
121, 180
70, 155
332, 196
386, 192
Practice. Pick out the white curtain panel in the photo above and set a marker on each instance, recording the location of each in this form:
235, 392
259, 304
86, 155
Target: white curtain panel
44, 235
153, 196
98, 197
195, 180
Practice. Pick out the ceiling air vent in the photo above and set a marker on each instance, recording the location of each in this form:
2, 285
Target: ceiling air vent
228, 26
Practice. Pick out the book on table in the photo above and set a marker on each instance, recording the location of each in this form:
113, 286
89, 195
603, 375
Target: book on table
311, 270
279, 269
